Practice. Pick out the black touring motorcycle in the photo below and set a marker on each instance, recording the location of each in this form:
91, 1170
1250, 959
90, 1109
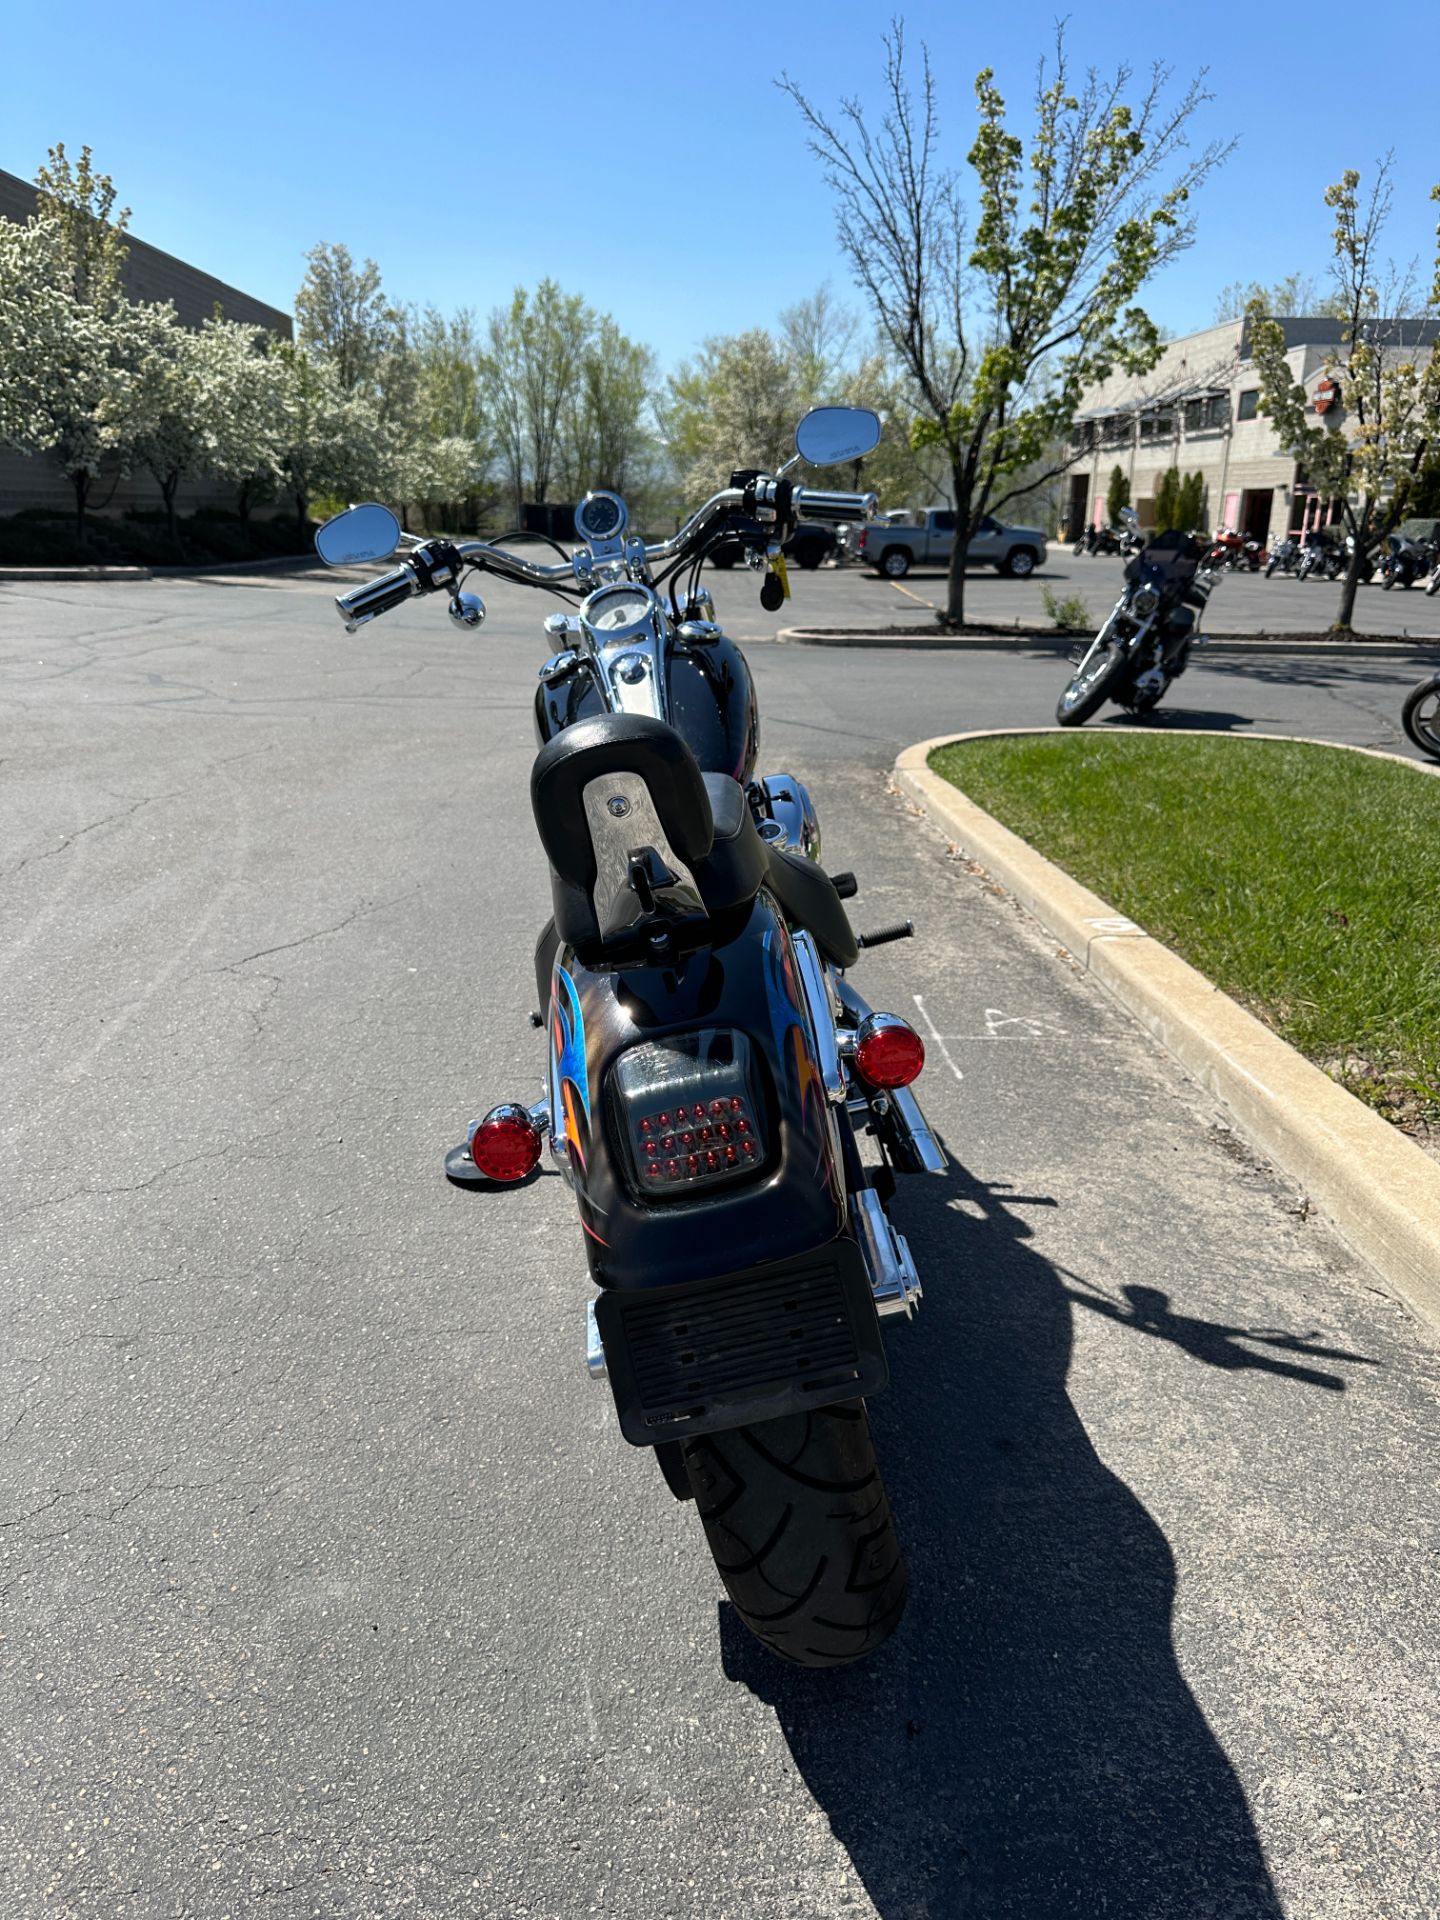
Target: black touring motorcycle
1146, 639
712, 1070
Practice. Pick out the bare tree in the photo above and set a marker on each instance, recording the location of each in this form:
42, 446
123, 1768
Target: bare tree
1370, 451
1000, 328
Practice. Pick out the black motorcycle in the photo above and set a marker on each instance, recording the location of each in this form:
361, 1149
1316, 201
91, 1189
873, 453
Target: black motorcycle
712, 1070
1405, 561
1145, 643
1098, 540
1420, 716
1284, 556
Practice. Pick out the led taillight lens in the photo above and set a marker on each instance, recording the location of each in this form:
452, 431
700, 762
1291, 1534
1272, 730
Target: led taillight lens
688, 1112
888, 1051
506, 1144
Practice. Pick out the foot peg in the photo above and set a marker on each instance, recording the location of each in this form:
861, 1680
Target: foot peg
902, 930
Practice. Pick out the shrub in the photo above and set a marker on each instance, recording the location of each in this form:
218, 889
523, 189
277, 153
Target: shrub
1070, 615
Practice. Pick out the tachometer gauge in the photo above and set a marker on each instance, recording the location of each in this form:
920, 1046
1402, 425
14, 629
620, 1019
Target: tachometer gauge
617, 610
601, 517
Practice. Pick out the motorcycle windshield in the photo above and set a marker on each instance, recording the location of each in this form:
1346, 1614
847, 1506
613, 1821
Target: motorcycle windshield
1170, 556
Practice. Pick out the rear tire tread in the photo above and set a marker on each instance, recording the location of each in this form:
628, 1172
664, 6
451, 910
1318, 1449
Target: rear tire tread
823, 1583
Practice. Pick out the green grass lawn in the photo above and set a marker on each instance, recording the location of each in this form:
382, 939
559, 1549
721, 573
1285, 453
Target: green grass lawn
1301, 879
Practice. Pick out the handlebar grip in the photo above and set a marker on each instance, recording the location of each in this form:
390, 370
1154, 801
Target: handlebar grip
813, 503
376, 597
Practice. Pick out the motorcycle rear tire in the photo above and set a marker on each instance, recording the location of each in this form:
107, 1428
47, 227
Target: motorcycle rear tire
799, 1526
1420, 716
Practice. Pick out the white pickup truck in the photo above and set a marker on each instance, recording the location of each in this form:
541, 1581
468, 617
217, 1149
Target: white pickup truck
925, 540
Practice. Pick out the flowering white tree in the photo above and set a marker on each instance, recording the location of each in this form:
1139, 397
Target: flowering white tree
330, 440
72, 365
239, 388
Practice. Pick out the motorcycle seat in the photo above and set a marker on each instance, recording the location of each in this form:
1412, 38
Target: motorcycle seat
699, 825
708, 834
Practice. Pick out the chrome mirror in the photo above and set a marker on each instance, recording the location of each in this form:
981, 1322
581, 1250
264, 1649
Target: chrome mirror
370, 532
828, 435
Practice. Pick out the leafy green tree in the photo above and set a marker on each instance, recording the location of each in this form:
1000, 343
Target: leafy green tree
531, 366
608, 442
1117, 495
1001, 327
1370, 451
1190, 502
1297, 293
343, 317
1167, 501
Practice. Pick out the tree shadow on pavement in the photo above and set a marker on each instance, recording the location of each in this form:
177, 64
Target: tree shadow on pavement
1026, 1748
1147, 1310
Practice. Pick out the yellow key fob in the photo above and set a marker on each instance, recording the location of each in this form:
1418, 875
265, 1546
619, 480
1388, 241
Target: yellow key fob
778, 567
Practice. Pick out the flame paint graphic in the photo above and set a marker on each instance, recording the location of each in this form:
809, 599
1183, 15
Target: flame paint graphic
787, 1015
569, 1073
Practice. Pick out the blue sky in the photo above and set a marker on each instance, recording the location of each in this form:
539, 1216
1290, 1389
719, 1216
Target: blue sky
640, 153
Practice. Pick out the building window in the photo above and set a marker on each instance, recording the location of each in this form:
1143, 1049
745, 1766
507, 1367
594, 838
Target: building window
1207, 414
1157, 426
1115, 432
1249, 404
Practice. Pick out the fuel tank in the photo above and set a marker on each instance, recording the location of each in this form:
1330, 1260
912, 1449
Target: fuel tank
711, 697
793, 1200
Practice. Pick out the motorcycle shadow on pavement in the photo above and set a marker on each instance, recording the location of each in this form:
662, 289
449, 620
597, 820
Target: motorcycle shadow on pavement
1026, 1748
1176, 720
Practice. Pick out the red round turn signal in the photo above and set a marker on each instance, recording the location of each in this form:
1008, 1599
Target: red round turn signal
888, 1051
506, 1144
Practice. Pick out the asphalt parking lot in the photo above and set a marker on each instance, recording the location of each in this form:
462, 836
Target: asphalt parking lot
328, 1584
1242, 602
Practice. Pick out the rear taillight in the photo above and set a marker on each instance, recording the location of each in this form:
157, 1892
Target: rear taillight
506, 1144
860, 539
689, 1113
888, 1051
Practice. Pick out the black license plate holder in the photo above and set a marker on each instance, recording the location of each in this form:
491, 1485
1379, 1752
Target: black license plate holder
706, 1355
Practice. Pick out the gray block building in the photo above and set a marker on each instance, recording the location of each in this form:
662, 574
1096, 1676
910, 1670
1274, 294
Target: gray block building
1198, 410
150, 274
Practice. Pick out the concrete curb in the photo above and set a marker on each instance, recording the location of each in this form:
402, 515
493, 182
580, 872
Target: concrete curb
1381, 1192
1220, 643
87, 574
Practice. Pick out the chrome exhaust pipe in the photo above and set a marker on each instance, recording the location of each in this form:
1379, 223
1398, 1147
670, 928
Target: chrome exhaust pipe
894, 1283
914, 1135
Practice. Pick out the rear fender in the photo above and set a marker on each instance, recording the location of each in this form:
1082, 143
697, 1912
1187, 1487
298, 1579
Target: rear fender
751, 984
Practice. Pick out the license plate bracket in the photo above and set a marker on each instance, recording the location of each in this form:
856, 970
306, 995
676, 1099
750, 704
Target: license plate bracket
706, 1355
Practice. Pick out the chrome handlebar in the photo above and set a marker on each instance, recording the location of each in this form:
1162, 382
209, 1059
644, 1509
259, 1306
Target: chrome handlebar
362, 604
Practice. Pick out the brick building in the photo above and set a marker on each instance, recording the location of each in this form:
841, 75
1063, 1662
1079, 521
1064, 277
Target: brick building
1197, 409
34, 480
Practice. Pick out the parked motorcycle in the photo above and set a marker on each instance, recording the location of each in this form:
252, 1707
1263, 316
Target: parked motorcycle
1315, 553
711, 1067
1420, 716
1097, 540
1404, 562
1146, 640
1284, 556
1234, 551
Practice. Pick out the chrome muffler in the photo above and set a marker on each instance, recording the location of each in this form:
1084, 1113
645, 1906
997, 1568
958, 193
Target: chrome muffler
893, 1280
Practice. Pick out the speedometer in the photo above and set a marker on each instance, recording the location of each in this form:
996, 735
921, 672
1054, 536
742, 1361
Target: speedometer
601, 517
617, 609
